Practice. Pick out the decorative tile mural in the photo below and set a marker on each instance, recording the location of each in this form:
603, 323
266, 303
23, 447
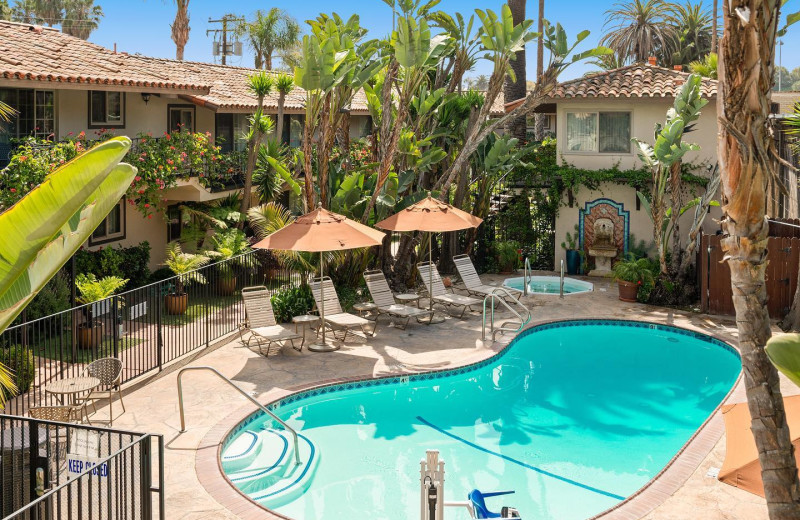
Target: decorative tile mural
604, 208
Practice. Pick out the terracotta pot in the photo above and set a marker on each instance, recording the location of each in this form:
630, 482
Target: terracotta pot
90, 336
226, 286
628, 291
447, 281
176, 304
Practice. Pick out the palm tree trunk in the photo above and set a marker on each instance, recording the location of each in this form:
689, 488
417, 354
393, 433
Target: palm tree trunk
715, 17
180, 27
268, 61
746, 66
279, 126
676, 203
539, 118
517, 127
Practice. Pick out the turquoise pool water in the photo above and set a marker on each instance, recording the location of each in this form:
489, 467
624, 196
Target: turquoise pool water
549, 285
574, 416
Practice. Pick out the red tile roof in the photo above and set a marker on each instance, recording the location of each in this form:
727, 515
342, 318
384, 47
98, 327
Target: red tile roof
637, 80
786, 101
39, 54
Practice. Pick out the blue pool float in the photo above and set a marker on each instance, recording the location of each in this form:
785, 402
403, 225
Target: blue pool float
479, 504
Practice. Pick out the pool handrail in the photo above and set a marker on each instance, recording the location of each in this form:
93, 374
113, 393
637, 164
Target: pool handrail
561, 283
499, 294
526, 271
248, 396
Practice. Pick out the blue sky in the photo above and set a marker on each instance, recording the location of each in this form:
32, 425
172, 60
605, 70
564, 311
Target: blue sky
144, 25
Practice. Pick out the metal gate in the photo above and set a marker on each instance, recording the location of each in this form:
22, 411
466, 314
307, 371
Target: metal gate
533, 225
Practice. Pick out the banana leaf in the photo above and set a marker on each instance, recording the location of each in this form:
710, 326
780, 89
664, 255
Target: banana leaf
45, 228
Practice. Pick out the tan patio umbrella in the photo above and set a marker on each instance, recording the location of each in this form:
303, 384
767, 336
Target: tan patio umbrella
742, 468
317, 232
432, 216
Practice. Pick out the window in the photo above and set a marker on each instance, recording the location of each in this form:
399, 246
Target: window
174, 223
230, 130
112, 228
602, 132
180, 117
106, 109
36, 116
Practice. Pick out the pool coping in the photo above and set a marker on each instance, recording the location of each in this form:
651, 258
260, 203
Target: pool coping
208, 464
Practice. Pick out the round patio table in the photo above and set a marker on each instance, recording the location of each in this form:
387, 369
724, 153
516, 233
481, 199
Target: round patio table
407, 298
365, 309
68, 388
306, 321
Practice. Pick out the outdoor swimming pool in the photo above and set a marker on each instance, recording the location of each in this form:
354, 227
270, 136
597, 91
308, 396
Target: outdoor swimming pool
575, 416
549, 285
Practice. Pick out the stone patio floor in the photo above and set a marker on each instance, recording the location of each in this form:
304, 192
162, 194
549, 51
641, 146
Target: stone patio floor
152, 404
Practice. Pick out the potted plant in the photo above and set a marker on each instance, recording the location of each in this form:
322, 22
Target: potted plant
93, 290
507, 253
632, 275
184, 266
228, 245
570, 244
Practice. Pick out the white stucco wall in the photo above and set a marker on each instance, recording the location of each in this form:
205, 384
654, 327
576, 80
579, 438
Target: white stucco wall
639, 221
73, 114
645, 113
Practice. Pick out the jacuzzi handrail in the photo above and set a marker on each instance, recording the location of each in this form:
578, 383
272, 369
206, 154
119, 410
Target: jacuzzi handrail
526, 271
248, 396
561, 284
498, 295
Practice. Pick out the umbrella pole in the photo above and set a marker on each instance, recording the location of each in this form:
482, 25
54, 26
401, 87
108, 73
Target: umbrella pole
432, 317
323, 346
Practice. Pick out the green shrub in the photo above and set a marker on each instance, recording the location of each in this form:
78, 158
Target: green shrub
162, 273
19, 360
130, 263
53, 298
295, 301
507, 255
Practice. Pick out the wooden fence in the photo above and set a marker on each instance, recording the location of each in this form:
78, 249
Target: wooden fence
784, 260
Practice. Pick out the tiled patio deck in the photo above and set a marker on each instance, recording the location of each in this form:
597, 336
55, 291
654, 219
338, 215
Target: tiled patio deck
683, 492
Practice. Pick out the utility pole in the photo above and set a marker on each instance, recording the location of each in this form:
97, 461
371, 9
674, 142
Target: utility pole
234, 49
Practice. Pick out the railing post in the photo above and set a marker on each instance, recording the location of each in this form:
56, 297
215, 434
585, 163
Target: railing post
115, 324
159, 334
145, 477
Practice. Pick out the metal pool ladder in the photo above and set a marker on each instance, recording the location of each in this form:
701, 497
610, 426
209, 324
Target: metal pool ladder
526, 273
522, 317
248, 396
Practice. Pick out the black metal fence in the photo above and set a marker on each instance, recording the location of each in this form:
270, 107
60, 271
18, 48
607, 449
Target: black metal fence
53, 470
145, 328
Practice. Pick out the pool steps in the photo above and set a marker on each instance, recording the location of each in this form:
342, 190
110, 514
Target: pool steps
262, 465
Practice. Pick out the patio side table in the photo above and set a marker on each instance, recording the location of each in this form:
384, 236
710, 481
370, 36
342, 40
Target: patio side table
304, 321
365, 309
408, 298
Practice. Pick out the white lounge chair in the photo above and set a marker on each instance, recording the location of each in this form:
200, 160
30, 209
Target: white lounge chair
439, 294
469, 276
334, 316
260, 322
383, 298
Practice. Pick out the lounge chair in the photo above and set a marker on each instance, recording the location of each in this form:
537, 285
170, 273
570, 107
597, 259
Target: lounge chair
260, 322
335, 317
439, 294
469, 276
109, 371
384, 299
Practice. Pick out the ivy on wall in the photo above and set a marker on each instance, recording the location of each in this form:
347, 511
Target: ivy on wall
541, 168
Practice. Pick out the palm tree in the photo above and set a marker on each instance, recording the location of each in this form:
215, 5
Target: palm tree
81, 18
745, 143
707, 67
608, 62
5, 10
260, 84
24, 11
539, 118
180, 27
284, 84
515, 85
693, 32
640, 29
271, 32
50, 12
